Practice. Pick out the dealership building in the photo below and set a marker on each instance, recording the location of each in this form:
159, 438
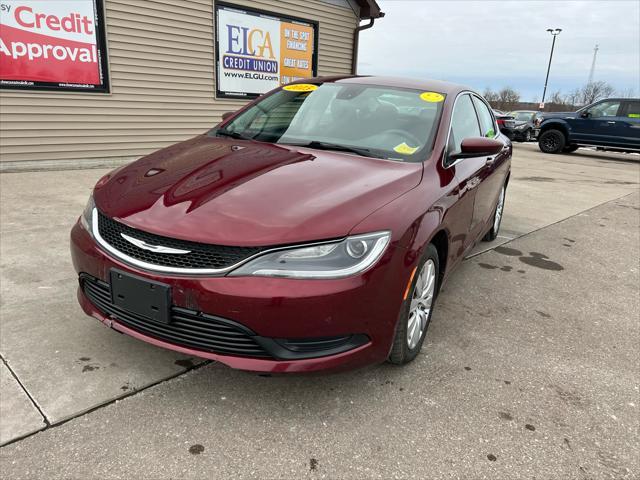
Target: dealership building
101, 82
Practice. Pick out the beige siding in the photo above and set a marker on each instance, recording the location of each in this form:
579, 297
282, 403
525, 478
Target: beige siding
161, 62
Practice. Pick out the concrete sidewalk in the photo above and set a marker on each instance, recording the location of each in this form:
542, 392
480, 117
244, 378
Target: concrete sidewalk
530, 370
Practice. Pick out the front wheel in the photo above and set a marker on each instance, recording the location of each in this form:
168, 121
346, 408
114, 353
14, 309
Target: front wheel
551, 141
497, 217
570, 148
527, 136
416, 309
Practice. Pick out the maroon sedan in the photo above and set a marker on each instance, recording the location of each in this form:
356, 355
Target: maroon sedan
311, 230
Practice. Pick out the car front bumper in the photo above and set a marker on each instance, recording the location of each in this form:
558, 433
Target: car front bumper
279, 314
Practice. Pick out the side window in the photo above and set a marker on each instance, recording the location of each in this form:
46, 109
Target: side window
464, 123
604, 109
487, 128
632, 110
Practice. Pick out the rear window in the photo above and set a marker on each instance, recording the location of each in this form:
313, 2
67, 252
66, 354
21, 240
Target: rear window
523, 116
485, 117
633, 110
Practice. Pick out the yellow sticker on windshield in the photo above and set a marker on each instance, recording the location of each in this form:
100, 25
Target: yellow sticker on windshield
432, 97
300, 87
405, 149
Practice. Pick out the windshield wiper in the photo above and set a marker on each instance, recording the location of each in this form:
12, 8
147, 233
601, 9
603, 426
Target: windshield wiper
236, 135
365, 152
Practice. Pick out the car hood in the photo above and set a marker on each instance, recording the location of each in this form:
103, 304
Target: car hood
559, 115
244, 193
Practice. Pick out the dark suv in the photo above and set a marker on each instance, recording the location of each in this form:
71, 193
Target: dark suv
611, 124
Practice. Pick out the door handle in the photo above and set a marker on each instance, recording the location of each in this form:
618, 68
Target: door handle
611, 123
490, 161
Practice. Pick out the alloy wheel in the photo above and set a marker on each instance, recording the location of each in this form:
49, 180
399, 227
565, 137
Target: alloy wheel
550, 143
421, 303
499, 208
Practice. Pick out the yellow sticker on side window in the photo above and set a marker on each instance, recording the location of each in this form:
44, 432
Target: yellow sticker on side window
405, 149
634, 115
300, 87
432, 97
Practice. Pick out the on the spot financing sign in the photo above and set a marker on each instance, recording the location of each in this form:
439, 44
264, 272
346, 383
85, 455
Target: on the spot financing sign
258, 51
52, 45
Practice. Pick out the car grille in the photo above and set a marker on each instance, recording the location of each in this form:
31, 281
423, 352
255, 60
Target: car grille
187, 328
200, 256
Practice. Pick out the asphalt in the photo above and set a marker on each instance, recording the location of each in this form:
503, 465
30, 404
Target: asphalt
530, 368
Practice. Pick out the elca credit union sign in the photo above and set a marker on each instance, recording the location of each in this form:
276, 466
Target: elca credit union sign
52, 45
257, 51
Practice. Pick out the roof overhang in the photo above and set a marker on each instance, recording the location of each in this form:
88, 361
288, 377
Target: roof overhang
369, 9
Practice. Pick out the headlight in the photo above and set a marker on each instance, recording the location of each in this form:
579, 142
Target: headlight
327, 260
520, 127
87, 215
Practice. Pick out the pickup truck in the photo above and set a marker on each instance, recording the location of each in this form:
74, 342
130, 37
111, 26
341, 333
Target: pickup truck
610, 124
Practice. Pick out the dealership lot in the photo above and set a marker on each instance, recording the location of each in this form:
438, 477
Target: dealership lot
530, 366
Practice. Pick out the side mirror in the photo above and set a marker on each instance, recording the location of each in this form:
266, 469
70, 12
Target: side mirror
478, 147
585, 115
226, 115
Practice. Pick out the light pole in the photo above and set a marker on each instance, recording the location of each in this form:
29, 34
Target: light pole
555, 32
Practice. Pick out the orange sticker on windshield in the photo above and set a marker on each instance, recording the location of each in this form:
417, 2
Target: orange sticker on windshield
432, 97
300, 87
405, 149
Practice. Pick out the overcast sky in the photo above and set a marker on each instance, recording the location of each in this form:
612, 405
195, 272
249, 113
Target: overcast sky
499, 43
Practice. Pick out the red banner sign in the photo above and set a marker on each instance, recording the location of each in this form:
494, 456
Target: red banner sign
52, 44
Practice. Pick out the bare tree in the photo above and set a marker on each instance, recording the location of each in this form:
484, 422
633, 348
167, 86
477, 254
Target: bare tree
626, 93
594, 91
573, 98
508, 98
557, 98
491, 96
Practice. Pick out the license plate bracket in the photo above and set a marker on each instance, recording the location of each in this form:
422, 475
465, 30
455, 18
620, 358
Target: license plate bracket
141, 296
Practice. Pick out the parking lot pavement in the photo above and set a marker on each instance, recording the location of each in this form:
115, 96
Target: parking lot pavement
69, 364
545, 189
17, 413
530, 370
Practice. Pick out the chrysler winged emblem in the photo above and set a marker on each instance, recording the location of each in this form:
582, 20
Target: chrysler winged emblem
153, 248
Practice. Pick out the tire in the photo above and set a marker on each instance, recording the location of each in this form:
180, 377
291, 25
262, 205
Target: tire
552, 141
527, 136
497, 217
570, 148
405, 346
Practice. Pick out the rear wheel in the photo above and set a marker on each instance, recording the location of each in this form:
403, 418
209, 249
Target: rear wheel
497, 217
416, 310
551, 141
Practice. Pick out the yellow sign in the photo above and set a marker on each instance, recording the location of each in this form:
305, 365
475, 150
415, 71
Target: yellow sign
432, 97
296, 51
300, 87
405, 149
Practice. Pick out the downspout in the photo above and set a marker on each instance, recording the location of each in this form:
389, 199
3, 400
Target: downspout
356, 41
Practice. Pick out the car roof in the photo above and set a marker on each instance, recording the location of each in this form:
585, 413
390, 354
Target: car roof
616, 99
384, 81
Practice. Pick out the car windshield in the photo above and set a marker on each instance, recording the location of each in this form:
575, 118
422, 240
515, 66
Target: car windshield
522, 116
374, 121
